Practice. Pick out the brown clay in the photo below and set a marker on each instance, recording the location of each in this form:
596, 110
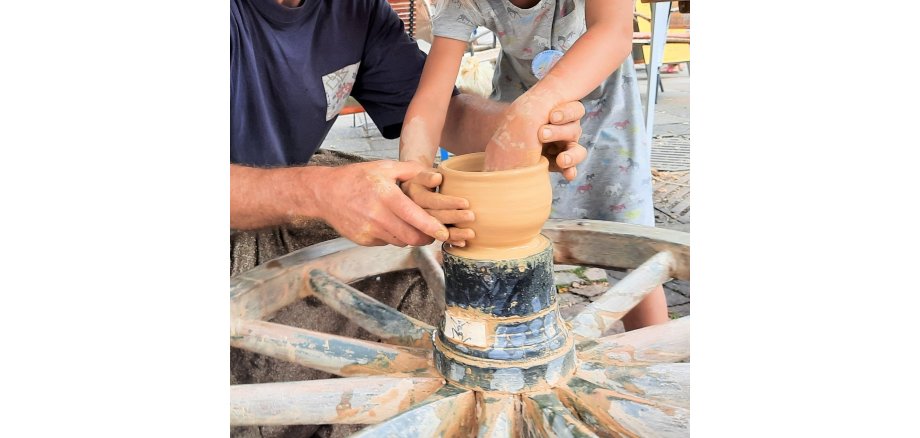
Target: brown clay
510, 206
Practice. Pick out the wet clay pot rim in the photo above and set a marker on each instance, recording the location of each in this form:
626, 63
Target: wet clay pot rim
511, 206
464, 164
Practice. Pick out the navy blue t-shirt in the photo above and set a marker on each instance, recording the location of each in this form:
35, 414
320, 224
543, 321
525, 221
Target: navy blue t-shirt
291, 70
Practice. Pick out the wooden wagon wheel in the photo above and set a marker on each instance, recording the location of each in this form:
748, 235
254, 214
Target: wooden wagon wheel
634, 384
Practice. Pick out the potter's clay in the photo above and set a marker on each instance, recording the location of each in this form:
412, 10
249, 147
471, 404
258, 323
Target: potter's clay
510, 206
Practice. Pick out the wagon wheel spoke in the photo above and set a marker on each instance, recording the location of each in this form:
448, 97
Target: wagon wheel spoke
612, 244
498, 415
600, 315
448, 412
349, 400
634, 402
392, 326
431, 271
668, 342
260, 292
334, 354
665, 383
546, 416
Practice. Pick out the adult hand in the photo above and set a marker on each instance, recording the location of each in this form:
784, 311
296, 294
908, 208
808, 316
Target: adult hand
363, 202
560, 139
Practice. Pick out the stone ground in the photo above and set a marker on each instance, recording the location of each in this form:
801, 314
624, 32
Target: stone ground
578, 286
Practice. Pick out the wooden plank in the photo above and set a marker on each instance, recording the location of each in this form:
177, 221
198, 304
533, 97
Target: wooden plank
615, 245
498, 415
668, 342
546, 416
350, 400
684, 179
330, 353
667, 193
447, 413
381, 320
677, 195
618, 413
681, 206
600, 315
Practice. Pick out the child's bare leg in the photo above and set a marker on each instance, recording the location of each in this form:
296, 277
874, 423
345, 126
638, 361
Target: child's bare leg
652, 310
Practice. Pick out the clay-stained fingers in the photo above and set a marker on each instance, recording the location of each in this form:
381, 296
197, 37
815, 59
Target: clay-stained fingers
428, 178
572, 156
392, 240
567, 132
435, 201
400, 170
570, 173
564, 159
420, 190
567, 113
376, 232
449, 217
368, 240
461, 234
416, 217
404, 234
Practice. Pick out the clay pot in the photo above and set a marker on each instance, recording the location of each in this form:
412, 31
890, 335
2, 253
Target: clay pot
510, 206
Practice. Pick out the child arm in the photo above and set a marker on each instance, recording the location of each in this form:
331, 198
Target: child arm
593, 57
421, 133
425, 116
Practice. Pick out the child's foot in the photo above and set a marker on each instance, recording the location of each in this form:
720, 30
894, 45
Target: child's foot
672, 68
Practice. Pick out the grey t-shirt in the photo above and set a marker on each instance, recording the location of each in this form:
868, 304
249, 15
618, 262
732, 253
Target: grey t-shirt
523, 34
614, 181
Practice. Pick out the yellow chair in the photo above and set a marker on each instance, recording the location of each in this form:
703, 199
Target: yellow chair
677, 48
677, 45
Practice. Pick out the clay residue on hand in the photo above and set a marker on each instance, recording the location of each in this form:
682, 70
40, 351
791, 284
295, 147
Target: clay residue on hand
515, 143
380, 183
415, 142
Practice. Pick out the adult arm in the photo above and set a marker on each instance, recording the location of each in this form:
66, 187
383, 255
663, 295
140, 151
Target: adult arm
361, 201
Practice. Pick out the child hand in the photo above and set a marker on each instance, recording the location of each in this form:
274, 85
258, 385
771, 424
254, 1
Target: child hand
449, 210
558, 130
516, 143
560, 139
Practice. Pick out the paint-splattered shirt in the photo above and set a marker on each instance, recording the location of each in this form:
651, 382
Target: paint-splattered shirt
614, 181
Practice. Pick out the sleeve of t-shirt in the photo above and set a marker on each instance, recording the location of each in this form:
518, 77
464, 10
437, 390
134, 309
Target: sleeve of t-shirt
456, 21
390, 70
